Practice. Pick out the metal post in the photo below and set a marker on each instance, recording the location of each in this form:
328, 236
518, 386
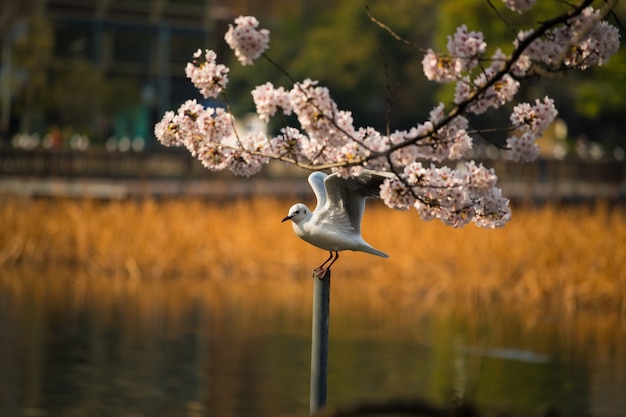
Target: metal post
319, 340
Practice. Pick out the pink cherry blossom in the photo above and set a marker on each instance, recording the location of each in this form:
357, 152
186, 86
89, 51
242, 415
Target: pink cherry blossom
531, 121
454, 196
496, 95
289, 144
466, 45
406, 154
208, 76
462, 90
536, 118
450, 141
396, 195
327, 127
215, 124
501, 90
441, 68
313, 106
464, 49
584, 41
166, 130
523, 148
593, 46
519, 5
247, 42
186, 117
250, 157
269, 99
214, 156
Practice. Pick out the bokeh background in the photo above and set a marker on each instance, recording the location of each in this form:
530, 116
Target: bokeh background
134, 282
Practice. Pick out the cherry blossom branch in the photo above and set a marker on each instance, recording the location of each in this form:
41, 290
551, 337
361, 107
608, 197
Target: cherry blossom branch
497, 12
506, 69
321, 113
326, 137
389, 30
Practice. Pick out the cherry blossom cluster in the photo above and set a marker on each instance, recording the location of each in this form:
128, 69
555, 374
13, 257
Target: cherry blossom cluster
451, 141
325, 136
581, 41
208, 134
519, 5
464, 49
493, 96
325, 129
454, 196
584, 41
269, 99
531, 121
206, 75
328, 128
247, 42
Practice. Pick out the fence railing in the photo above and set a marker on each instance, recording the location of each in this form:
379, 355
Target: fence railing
174, 171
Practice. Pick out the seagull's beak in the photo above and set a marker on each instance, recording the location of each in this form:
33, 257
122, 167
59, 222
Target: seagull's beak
285, 219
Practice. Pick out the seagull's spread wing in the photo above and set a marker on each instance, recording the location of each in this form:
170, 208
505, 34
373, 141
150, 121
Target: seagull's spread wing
316, 180
345, 198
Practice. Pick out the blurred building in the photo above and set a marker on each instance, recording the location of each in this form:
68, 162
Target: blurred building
141, 45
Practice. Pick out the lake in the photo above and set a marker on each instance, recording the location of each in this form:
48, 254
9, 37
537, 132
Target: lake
78, 345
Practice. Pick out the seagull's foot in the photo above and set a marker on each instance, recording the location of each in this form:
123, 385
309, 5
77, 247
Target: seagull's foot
321, 273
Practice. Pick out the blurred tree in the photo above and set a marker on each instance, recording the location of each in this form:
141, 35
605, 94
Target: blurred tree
11, 12
32, 58
75, 103
337, 44
68, 91
364, 67
590, 101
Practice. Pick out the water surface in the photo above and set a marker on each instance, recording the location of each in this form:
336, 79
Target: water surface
84, 346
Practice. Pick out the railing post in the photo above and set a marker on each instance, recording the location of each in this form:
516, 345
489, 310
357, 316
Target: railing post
319, 340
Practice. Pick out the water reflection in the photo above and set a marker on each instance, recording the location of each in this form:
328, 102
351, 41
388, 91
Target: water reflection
75, 346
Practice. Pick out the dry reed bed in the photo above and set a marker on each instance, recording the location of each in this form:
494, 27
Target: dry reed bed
553, 259
145, 306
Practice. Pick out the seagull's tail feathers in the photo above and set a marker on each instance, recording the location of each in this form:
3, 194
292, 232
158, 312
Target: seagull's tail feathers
373, 251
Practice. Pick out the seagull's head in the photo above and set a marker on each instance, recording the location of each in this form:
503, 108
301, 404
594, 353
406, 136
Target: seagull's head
297, 213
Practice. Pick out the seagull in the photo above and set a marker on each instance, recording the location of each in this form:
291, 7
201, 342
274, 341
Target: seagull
335, 224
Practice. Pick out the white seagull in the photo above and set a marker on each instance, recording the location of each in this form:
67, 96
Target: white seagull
335, 224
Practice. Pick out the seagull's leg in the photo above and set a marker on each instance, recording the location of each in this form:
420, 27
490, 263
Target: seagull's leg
320, 271
326, 261
334, 260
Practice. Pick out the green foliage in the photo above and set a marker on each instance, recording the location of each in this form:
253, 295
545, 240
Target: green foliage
599, 92
68, 92
32, 58
591, 95
76, 103
367, 70
496, 22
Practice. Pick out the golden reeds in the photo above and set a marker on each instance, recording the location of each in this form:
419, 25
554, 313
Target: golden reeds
555, 259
